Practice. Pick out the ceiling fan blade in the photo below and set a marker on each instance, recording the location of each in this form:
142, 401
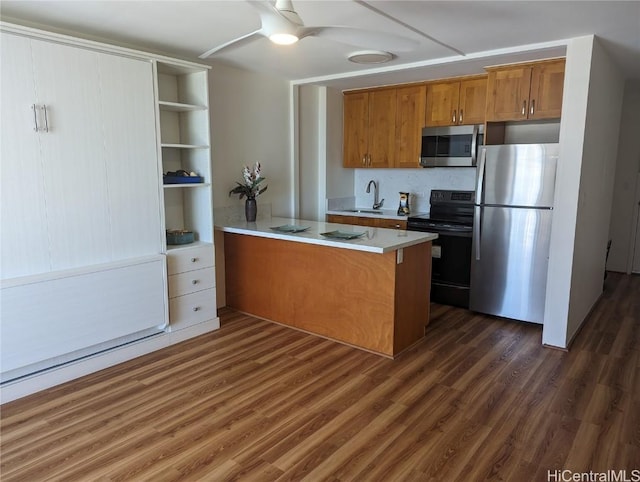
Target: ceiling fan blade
364, 38
263, 6
245, 39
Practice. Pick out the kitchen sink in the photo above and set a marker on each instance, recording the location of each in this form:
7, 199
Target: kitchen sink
364, 211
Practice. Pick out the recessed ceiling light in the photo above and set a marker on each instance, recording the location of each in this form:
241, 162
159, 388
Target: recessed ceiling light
370, 57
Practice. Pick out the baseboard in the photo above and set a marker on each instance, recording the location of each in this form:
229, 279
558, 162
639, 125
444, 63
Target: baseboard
72, 370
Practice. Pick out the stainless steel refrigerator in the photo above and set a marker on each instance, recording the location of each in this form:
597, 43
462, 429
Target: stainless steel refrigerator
515, 187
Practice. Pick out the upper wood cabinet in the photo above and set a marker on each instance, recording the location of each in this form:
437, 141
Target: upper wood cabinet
409, 123
525, 91
458, 102
369, 128
382, 127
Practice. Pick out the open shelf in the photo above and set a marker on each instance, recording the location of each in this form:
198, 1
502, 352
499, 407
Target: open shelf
186, 185
184, 141
184, 146
179, 107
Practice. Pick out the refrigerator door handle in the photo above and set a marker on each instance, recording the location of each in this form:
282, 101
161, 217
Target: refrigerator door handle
477, 218
477, 209
480, 178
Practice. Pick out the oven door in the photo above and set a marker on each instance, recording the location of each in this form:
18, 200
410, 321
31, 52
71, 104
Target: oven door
450, 263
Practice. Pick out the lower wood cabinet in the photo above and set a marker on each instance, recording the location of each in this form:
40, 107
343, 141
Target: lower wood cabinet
391, 223
365, 221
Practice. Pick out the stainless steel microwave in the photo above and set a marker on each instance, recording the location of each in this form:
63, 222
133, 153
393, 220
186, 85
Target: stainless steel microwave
453, 146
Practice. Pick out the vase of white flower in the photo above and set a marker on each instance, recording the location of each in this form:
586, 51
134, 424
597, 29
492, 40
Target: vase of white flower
250, 209
250, 188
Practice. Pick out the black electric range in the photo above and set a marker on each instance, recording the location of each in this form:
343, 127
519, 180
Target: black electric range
451, 217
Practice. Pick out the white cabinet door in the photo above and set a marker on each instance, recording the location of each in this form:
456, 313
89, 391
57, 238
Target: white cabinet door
99, 305
132, 171
85, 190
74, 160
24, 243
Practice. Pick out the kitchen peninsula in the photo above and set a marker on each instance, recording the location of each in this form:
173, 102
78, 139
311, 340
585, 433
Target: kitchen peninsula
371, 292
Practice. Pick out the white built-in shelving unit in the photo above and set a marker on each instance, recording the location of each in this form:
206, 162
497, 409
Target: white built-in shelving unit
183, 107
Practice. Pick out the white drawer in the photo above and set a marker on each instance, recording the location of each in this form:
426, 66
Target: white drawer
190, 309
191, 281
181, 260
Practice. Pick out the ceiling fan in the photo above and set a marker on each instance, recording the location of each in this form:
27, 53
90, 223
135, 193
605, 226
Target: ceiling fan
282, 25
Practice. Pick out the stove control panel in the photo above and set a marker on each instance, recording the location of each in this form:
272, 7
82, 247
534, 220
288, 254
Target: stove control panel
439, 196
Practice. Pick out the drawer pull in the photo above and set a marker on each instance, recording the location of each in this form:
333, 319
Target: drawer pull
194, 281
193, 260
196, 308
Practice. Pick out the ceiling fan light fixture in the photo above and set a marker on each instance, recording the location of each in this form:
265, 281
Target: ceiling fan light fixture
370, 57
283, 38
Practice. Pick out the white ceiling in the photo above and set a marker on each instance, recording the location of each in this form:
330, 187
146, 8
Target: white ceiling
481, 30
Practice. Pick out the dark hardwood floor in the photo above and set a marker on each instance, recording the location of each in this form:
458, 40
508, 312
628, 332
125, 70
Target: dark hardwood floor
478, 398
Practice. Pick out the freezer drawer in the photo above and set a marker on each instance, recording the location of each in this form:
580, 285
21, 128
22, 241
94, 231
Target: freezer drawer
509, 262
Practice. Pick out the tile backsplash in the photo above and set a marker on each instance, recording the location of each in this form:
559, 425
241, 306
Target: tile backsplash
417, 182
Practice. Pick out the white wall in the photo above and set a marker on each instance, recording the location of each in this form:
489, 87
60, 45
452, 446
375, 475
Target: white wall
310, 152
621, 231
250, 122
584, 191
319, 150
339, 179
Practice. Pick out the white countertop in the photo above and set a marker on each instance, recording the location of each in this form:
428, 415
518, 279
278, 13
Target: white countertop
374, 240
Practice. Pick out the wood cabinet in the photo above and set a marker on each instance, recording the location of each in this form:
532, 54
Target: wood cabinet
382, 127
410, 108
368, 300
525, 91
391, 223
369, 128
366, 221
456, 102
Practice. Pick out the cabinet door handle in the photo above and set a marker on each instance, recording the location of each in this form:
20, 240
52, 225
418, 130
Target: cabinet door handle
460, 118
35, 117
533, 107
453, 118
194, 281
196, 308
193, 260
46, 118
369, 160
364, 160
524, 107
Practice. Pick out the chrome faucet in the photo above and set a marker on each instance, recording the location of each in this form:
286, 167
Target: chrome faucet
376, 204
